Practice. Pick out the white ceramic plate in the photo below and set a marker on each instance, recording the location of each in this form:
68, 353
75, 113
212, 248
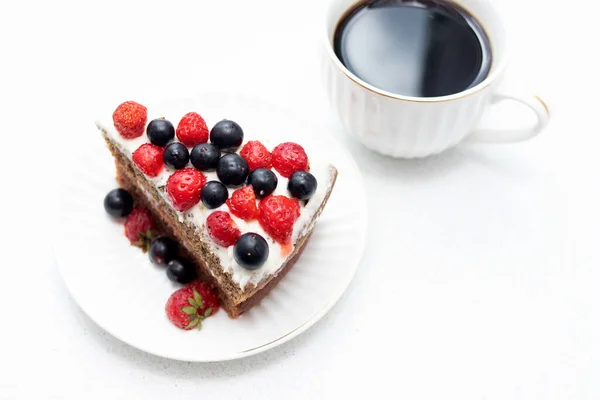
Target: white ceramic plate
118, 287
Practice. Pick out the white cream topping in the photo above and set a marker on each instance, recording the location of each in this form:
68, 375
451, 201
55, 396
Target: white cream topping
196, 216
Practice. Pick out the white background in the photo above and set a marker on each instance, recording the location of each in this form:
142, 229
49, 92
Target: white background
482, 269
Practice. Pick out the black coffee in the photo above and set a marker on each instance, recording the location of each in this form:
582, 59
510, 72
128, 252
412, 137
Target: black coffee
422, 48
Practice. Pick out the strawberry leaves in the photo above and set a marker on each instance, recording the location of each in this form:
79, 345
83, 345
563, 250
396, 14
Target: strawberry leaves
190, 310
193, 323
194, 310
144, 240
198, 299
190, 305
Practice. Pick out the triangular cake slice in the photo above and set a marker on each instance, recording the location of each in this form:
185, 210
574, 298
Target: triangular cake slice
240, 287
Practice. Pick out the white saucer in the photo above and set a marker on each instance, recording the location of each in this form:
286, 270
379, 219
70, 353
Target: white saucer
118, 287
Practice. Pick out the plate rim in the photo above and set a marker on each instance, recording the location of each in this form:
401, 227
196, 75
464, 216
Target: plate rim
304, 326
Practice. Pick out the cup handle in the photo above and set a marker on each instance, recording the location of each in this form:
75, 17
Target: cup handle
517, 134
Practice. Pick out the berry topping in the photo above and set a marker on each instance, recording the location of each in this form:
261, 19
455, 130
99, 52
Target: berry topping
118, 203
176, 155
227, 135
232, 170
251, 251
160, 132
256, 155
180, 271
277, 215
188, 306
243, 203
302, 185
205, 156
149, 159
213, 194
192, 130
288, 158
130, 119
222, 229
162, 250
183, 188
263, 181
139, 228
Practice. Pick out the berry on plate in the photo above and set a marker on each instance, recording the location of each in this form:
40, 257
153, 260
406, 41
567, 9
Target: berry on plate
251, 251
263, 181
149, 159
302, 185
213, 194
222, 229
162, 250
176, 155
288, 158
192, 130
160, 132
130, 119
205, 156
180, 271
139, 227
256, 155
227, 135
232, 170
188, 306
277, 215
118, 203
242, 203
183, 188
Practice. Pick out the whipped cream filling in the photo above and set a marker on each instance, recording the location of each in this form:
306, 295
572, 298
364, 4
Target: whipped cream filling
196, 216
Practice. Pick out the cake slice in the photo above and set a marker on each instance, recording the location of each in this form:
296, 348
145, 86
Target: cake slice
242, 246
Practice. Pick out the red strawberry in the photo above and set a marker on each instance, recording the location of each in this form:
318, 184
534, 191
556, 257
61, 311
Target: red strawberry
130, 119
192, 130
242, 203
288, 158
277, 215
183, 188
222, 229
188, 306
139, 228
256, 155
149, 159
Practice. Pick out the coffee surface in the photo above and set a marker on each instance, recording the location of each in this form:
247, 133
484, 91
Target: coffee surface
424, 48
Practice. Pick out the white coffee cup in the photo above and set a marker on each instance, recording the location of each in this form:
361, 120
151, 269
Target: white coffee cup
409, 127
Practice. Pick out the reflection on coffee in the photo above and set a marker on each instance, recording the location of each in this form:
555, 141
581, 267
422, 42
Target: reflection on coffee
423, 48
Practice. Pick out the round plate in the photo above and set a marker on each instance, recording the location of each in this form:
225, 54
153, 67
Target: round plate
118, 287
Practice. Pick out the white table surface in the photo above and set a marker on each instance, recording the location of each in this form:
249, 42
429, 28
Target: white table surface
481, 275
